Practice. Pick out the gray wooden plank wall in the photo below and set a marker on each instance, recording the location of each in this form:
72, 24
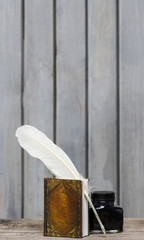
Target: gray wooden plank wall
102, 94
73, 69
132, 107
38, 93
10, 108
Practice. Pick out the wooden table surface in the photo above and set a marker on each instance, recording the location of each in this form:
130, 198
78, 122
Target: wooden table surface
33, 229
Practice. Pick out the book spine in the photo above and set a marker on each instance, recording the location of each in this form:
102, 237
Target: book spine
45, 207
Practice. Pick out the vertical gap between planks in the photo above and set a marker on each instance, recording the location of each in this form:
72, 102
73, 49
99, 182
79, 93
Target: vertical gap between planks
22, 104
54, 73
86, 91
118, 101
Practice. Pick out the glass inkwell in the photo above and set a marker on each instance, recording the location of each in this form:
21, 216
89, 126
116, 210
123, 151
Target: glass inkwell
110, 215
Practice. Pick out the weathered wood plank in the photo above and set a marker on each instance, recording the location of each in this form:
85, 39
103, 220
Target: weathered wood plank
71, 80
102, 94
131, 106
10, 108
21, 225
33, 229
38, 94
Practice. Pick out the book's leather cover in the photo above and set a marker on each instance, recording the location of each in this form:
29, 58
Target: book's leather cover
62, 207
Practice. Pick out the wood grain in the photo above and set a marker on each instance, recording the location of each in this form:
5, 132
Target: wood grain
10, 108
132, 107
38, 94
102, 94
71, 110
33, 229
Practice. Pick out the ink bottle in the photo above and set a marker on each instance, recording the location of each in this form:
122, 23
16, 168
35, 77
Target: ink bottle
110, 215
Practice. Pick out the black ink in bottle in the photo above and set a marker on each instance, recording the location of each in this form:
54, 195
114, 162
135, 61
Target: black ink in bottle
110, 215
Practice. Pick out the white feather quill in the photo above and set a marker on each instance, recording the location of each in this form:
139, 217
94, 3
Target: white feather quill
38, 145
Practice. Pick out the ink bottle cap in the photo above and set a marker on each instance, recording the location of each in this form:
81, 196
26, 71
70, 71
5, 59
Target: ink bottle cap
103, 196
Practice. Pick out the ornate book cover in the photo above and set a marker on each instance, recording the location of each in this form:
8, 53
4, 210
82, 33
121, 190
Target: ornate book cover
63, 207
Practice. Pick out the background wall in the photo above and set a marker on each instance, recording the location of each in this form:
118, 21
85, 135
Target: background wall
74, 69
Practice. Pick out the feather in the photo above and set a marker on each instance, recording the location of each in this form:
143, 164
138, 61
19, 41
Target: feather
38, 145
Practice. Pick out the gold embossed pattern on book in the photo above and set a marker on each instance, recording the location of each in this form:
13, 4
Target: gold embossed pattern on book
63, 208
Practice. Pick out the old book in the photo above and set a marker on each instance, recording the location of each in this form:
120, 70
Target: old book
65, 208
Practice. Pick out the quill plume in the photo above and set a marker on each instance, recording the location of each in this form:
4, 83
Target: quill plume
38, 145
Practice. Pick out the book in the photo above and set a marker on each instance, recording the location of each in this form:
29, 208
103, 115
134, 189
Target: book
65, 208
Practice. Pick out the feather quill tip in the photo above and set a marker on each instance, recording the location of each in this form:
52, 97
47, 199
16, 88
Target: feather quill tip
103, 230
